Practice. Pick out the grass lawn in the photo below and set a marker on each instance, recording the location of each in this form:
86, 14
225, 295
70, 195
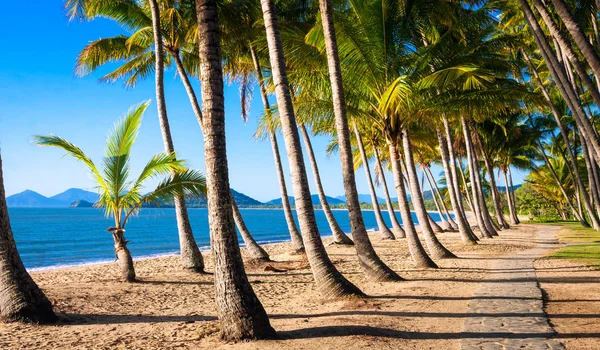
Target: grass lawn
586, 247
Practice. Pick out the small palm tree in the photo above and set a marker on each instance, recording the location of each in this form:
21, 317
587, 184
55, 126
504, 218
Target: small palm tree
122, 198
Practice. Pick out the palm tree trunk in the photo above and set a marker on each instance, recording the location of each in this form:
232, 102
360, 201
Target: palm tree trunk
241, 314
372, 265
396, 227
511, 205
123, 255
559, 76
512, 193
287, 208
417, 252
435, 247
565, 136
20, 298
328, 279
453, 171
439, 200
494, 189
578, 36
384, 231
434, 225
190, 255
255, 251
464, 228
473, 171
445, 222
338, 235
566, 49
189, 89
464, 182
555, 177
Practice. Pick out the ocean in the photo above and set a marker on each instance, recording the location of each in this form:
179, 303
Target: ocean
63, 237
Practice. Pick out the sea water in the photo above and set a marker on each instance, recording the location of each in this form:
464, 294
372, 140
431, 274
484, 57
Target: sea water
61, 237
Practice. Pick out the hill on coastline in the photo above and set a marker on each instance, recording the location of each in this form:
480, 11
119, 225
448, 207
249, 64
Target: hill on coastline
314, 198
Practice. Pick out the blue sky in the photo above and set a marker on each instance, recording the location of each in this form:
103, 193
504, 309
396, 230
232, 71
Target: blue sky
40, 95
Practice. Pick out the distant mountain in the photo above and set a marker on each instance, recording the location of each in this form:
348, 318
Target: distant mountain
31, 199
78, 198
515, 187
75, 194
240, 199
363, 198
314, 198
81, 204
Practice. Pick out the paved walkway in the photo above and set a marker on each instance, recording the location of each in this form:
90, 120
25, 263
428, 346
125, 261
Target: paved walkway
508, 309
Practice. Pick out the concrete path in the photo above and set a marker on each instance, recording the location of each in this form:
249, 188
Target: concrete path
508, 309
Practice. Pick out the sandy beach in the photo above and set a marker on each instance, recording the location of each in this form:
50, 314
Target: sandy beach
173, 309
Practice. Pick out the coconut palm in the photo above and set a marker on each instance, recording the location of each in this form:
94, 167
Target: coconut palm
148, 45
241, 314
121, 198
329, 280
22, 300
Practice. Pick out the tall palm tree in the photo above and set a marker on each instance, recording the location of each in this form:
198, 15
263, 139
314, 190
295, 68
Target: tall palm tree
191, 257
384, 231
120, 198
373, 266
22, 300
329, 280
241, 314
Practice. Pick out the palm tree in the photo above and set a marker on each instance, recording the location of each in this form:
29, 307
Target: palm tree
372, 265
120, 198
329, 280
22, 300
588, 51
384, 231
139, 54
241, 314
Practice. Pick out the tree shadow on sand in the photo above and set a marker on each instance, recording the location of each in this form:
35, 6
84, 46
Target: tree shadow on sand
92, 319
356, 330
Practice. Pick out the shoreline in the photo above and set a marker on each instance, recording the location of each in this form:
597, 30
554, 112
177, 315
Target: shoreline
203, 249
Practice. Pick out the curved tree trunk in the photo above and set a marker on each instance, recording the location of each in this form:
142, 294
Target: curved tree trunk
464, 228
384, 231
567, 51
329, 280
511, 206
417, 252
446, 223
339, 236
495, 198
565, 136
438, 194
20, 297
512, 193
588, 51
285, 201
473, 171
436, 248
191, 258
396, 227
559, 76
255, 251
241, 314
123, 255
454, 174
372, 265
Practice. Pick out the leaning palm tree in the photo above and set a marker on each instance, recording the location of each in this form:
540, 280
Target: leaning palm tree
122, 198
22, 299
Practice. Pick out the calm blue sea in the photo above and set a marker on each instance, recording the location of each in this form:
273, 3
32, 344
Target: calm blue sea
55, 237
